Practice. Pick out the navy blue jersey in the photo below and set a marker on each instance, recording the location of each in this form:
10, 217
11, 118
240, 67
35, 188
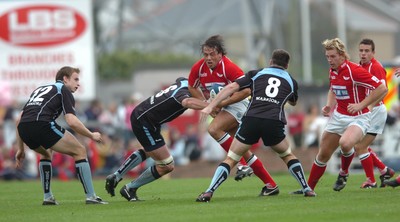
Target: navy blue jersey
163, 106
47, 102
271, 89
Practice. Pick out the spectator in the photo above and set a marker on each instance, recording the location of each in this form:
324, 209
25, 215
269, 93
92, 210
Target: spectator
295, 126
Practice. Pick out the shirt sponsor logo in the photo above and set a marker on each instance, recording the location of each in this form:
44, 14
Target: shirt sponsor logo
266, 99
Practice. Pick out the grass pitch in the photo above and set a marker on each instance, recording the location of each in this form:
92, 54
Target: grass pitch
174, 200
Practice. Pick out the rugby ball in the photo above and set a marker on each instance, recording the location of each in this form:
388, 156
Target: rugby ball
215, 89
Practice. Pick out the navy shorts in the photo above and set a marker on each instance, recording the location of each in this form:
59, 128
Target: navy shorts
45, 134
252, 129
148, 135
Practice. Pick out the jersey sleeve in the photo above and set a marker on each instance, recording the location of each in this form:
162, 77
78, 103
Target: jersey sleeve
366, 79
194, 79
380, 73
182, 94
68, 101
246, 81
233, 71
295, 96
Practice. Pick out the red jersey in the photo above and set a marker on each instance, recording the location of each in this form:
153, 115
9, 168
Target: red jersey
375, 68
349, 84
224, 73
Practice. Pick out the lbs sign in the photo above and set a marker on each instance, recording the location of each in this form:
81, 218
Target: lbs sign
43, 25
39, 37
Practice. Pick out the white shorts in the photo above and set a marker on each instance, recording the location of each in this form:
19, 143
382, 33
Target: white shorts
378, 119
238, 109
338, 123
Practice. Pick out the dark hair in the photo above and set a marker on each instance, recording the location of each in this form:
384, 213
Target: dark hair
66, 71
215, 42
280, 57
368, 42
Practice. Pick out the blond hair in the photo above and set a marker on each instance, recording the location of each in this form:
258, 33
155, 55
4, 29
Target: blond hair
336, 43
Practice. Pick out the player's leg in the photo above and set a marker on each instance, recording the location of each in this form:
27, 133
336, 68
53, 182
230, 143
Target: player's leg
366, 160
328, 145
34, 135
69, 145
350, 137
131, 162
164, 164
273, 135
222, 172
378, 120
46, 174
385, 171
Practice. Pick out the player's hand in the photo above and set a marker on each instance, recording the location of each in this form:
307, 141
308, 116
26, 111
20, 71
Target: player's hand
326, 110
354, 107
96, 136
19, 157
215, 112
204, 114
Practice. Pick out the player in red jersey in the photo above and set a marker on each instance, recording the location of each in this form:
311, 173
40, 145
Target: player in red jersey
367, 156
350, 118
216, 68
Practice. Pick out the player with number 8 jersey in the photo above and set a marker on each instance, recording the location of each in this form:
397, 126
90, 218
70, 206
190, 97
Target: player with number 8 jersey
216, 68
271, 88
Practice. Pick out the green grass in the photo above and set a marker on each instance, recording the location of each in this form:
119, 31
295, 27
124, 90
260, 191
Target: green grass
173, 200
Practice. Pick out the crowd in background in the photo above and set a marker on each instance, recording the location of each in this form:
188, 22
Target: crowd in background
305, 125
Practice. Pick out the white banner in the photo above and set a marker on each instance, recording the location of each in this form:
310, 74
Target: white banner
37, 38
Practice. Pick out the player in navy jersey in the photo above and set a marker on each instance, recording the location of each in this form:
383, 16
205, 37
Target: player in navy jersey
38, 129
265, 118
146, 120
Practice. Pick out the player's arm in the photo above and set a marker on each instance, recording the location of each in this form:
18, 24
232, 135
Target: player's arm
373, 104
236, 97
194, 103
376, 95
20, 154
330, 103
295, 96
196, 93
223, 94
78, 127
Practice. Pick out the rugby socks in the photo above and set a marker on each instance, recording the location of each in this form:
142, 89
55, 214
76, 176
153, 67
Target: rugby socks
368, 165
317, 170
297, 172
45, 171
377, 162
220, 175
148, 176
84, 175
225, 141
346, 159
260, 171
131, 162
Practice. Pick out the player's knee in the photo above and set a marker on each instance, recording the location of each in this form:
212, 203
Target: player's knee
166, 165
213, 131
234, 156
285, 153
